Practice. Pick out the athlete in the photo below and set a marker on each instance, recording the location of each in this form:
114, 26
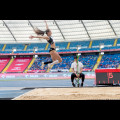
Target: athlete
54, 55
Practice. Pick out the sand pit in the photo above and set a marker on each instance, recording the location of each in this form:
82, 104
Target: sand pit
95, 93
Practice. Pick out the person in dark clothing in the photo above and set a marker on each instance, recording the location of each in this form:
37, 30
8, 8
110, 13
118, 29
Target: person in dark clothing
77, 74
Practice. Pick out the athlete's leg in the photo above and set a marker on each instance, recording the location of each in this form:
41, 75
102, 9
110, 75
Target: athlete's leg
45, 63
54, 59
56, 56
48, 62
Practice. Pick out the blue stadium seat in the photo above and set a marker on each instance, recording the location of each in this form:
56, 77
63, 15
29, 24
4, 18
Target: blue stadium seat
38, 62
67, 50
118, 41
110, 48
38, 45
5, 52
105, 42
88, 61
17, 46
39, 51
61, 45
80, 43
110, 61
23, 52
88, 49
1, 46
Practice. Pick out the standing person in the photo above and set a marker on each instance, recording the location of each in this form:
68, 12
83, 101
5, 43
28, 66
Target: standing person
54, 55
74, 70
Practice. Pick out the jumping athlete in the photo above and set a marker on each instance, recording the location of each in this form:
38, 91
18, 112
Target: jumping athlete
54, 55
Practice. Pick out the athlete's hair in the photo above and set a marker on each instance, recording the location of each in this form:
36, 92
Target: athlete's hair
48, 30
40, 32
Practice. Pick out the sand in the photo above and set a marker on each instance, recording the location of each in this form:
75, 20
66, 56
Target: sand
93, 93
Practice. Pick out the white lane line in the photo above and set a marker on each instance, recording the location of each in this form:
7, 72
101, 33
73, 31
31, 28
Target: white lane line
11, 88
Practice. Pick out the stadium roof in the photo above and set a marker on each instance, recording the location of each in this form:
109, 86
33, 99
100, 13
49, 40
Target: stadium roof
18, 31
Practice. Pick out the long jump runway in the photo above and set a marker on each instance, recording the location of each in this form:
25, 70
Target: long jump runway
55, 90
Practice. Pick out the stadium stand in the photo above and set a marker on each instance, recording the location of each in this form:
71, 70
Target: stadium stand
4, 52
1, 47
88, 49
64, 64
89, 61
79, 43
67, 50
38, 62
23, 51
61, 45
118, 42
111, 48
108, 45
40, 46
19, 65
110, 61
39, 51
105, 42
3, 63
17, 46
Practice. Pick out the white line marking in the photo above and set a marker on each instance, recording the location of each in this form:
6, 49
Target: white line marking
11, 88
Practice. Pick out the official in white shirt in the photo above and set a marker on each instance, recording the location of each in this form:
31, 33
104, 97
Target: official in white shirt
75, 72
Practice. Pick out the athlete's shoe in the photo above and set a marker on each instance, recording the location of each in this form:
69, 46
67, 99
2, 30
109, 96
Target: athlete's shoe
42, 66
50, 66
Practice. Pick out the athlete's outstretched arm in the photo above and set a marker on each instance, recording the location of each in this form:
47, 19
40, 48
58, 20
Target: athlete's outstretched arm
46, 24
42, 37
